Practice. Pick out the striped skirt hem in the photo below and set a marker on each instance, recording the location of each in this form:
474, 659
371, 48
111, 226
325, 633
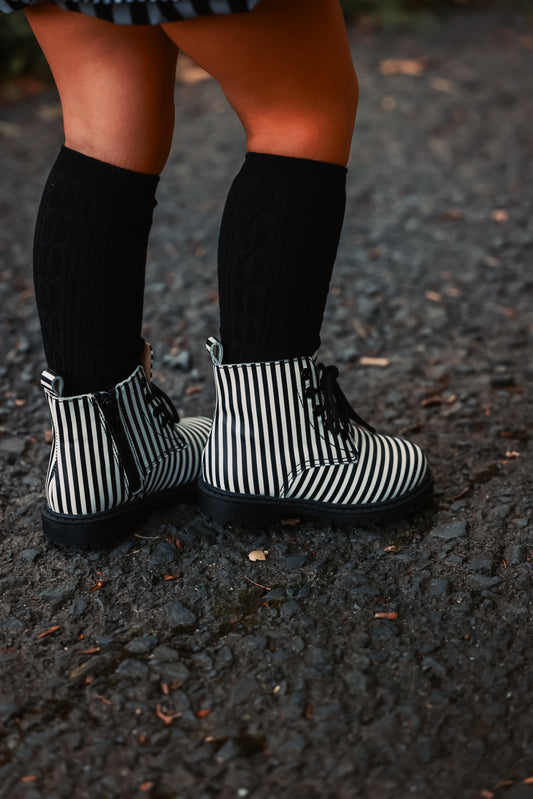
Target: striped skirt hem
141, 12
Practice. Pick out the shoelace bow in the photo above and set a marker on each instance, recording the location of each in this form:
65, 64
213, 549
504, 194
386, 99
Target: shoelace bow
163, 407
336, 409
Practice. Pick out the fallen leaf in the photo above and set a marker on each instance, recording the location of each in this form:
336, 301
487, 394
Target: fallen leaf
257, 584
452, 214
90, 651
166, 718
172, 576
500, 215
429, 402
461, 493
391, 615
402, 66
434, 296
146, 786
487, 794
308, 712
512, 454
413, 428
528, 781
29, 778
442, 85
203, 713
367, 360
197, 389
289, 522
257, 554
102, 699
49, 632
98, 585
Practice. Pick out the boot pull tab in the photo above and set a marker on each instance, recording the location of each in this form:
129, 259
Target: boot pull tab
215, 349
53, 382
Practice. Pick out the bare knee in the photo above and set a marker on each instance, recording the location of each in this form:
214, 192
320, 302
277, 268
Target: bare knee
116, 85
316, 123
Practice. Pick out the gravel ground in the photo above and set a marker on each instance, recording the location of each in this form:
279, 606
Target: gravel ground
174, 666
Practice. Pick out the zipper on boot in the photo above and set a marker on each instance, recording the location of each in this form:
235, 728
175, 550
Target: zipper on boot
108, 404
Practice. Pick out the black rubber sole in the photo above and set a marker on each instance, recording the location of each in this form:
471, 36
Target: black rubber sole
105, 529
247, 510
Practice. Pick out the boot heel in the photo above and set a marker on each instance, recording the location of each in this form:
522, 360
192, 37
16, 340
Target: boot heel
85, 532
114, 452
238, 510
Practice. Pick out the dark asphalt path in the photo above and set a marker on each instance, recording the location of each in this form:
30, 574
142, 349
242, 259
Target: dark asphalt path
277, 679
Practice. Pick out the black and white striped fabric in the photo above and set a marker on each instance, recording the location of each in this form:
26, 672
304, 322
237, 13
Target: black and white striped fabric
273, 436
142, 12
117, 447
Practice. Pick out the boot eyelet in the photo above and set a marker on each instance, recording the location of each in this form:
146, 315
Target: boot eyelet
306, 374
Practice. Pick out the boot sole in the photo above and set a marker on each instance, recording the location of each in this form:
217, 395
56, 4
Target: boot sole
102, 530
248, 510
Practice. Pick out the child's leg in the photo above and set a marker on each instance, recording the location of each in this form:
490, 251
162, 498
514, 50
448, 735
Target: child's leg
284, 439
116, 88
118, 441
286, 69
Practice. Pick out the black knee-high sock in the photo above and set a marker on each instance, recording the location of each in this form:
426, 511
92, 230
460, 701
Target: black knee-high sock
278, 241
89, 261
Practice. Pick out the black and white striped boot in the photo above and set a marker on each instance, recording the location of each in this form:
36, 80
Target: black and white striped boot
114, 452
285, 442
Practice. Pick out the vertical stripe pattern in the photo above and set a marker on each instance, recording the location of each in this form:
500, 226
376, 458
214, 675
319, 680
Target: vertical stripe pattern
272, 437
141, 12
110, 448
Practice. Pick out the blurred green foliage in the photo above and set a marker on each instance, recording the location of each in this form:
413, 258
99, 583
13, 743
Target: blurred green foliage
20, 54
19, 51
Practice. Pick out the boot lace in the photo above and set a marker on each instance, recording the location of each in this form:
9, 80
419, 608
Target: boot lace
332, 404
163, 408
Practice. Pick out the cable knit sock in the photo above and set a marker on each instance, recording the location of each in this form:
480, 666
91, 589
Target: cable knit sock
89, 261
278, 241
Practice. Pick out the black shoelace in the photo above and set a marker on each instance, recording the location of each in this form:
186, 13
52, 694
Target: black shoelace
332, 404
163, 407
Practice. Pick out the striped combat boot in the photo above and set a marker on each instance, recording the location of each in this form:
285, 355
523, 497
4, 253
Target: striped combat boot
285, 442
113, 453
